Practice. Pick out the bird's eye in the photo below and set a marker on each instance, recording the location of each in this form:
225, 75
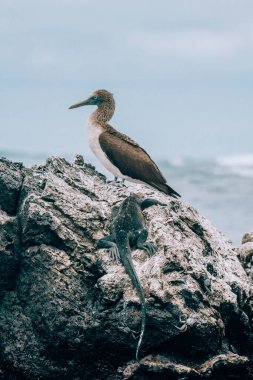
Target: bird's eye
95, 100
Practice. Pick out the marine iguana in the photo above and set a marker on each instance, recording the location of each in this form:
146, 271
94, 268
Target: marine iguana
128, 230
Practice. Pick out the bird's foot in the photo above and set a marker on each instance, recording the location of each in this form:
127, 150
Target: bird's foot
119, 180
116, 180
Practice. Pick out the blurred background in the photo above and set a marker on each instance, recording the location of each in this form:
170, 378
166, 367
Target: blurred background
181, 72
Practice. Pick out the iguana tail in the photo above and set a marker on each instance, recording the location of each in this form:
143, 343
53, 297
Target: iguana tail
122, 242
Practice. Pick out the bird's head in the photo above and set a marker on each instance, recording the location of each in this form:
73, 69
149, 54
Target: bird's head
97, 97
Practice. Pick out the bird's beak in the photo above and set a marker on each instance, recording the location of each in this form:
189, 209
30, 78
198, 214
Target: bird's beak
83, 103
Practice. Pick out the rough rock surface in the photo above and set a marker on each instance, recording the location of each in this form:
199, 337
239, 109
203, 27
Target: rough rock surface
245, 254
68, 312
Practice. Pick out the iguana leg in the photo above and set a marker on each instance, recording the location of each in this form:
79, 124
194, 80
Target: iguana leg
141, 243
107, 242
151, 202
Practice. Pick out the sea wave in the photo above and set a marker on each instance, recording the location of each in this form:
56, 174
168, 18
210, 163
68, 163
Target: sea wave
239, 164
237, 160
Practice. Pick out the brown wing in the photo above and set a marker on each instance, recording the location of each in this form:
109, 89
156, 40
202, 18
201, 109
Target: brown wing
120, 135
130, 158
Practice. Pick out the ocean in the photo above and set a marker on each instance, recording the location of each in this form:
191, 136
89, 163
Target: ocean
220, 189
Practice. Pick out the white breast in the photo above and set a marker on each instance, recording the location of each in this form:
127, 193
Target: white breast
94, 131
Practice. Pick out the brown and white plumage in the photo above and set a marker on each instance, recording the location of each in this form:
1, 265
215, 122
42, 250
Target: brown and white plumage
117, 152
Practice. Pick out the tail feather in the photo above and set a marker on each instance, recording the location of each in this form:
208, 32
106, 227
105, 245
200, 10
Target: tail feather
164, 188
172, 192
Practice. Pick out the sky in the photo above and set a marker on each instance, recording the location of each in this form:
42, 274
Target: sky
181, 73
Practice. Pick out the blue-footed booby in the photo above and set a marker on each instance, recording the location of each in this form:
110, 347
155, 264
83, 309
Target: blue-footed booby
118, 153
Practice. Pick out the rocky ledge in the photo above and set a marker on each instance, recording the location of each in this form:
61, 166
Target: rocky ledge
68, 312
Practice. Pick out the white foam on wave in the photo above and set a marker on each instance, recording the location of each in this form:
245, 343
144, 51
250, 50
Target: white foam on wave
240, 164
177, 161
245, 160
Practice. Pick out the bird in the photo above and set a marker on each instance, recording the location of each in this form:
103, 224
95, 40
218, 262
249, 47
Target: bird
117, 152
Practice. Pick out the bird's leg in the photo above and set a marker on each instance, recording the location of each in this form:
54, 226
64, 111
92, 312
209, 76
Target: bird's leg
116, 180
108, 242
142, 243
